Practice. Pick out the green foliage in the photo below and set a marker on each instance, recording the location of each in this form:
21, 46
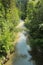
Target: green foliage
34, 22
9, 18
21, 4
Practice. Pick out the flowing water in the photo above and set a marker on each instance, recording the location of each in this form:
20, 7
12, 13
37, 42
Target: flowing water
21, 56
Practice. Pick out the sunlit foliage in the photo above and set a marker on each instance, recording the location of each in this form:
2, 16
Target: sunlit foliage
9, 18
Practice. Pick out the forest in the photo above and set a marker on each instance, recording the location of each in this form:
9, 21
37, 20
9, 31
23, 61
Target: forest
11, 12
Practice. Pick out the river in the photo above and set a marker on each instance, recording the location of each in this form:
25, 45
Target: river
21, 56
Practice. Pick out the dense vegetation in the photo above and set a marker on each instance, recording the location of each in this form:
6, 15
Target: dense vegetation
34, 23
9, 18
29, 10
22, 5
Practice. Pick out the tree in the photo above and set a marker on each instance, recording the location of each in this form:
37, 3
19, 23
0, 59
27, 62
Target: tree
9, 18
34, 23
22, 5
